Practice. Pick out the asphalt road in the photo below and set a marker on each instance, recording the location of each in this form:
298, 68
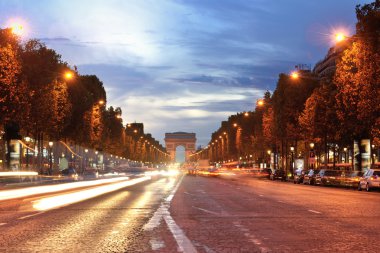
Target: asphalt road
108, 223
250, 215
199, 214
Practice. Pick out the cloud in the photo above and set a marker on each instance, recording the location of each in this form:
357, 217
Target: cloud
183, 65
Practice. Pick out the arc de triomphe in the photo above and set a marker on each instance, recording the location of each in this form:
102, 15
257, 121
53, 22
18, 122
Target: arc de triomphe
173, 140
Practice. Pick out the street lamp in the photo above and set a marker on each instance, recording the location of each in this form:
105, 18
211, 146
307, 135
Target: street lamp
345, 155
292, 159
295, 75
311, 155
17, 28
68, 75
85, 159
27, 139
50, 158
340, 37
96, 158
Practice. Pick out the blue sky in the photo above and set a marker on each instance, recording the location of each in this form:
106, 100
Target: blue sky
179, 65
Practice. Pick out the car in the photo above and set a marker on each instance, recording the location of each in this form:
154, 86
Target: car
298, 176
278, 174
68, 174
264, 173
330, 177
351, 179
309, 177
91, 174
370, 179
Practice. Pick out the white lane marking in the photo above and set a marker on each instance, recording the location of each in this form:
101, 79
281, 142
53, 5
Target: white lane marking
261, 195
31, 215
250, 236
162, 212
155, 221
170, 197
156, 243
206, 211
1, 224
189, 193
313, 211
183, 242
279, 201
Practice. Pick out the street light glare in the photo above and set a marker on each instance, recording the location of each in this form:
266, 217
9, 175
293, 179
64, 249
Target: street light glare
17, 29
294, 75
68, 75
339, 37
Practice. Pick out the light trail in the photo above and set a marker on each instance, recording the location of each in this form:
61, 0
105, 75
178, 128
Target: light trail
70, 198
29, 191
17, 173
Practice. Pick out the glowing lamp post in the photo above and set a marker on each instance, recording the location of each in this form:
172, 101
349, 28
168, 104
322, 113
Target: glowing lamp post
50, 157
292, 159
311, 155
27, 139
85, 159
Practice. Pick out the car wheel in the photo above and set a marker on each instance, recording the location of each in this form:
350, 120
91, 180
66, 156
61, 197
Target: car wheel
367, 188
359, 187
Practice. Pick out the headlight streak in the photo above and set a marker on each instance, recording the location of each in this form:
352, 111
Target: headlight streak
17, 173
70, 198
167, 173
29, 191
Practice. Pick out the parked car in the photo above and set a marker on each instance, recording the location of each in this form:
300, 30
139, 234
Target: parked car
264, 173
330, 177
351, 179
309, 178
298, 176
278, 175
370, 179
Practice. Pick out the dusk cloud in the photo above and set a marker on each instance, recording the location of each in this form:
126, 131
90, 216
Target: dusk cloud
179, 65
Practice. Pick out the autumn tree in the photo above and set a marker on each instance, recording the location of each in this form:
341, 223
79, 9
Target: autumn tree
14, 103
358, 76
319, 121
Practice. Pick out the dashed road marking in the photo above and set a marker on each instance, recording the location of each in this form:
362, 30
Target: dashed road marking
28, 216
206, 211
189, 193
251, 237
261, 195
1, 224
313, 211
279, 201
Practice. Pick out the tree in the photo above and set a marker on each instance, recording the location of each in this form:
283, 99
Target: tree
358, 75
14, 103
319, 120
60, 108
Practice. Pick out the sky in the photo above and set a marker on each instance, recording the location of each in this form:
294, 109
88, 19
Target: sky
184, 65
